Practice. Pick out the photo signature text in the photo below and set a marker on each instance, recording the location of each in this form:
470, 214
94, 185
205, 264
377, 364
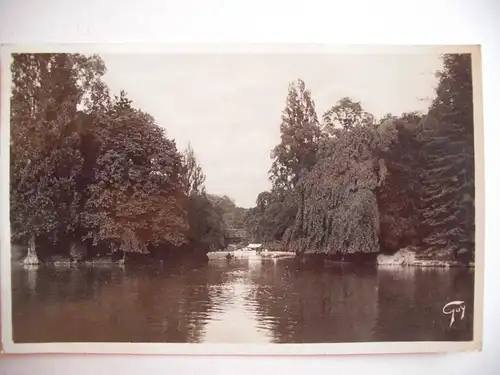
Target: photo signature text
454, 307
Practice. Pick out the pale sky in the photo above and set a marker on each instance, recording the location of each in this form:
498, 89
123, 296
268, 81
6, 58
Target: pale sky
229, 105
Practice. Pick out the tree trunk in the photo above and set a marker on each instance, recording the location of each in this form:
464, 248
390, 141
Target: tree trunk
32, 257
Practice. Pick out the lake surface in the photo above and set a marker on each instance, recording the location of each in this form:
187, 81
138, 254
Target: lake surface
241, 300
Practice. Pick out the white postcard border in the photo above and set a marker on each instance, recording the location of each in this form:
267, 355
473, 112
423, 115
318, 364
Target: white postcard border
9, 347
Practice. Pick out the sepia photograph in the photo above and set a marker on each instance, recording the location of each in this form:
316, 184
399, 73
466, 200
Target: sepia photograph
312, 200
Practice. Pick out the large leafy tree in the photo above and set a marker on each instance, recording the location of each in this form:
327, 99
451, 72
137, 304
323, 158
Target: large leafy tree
345, 114
136, 198
375, 186
300, 135
46, 92
294, 156
84, 165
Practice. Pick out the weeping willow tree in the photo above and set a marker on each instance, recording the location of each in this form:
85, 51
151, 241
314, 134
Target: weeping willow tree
338, 211
360, 186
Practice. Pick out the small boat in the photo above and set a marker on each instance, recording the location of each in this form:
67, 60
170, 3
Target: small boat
229, 256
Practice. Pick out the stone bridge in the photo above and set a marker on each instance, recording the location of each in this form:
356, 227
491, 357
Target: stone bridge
236, 235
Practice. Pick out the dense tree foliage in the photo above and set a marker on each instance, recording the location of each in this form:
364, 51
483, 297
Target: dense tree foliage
92, 170
356, 185
274, 214
346, 115
295, 155
207, 229
233, 216
338, 210
399, 198
45, 161
300, 135
136, 193
448, 139
194, 177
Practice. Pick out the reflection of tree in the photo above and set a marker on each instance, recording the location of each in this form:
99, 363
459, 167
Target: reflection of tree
164, 306
345, 303
31, 273
30, 283
333, 305
39, 294
411, 302
98, 305
397, 303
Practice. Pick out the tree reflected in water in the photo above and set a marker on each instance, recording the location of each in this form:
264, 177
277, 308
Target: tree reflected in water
332, 305
412, 300
239, 300
141, 304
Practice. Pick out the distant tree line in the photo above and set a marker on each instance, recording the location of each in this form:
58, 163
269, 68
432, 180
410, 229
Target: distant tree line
351, 184
91, 174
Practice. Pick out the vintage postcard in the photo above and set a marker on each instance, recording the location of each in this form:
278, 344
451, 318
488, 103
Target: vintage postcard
241, 199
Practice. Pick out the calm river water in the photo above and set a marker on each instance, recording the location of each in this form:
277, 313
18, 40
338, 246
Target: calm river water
249, 301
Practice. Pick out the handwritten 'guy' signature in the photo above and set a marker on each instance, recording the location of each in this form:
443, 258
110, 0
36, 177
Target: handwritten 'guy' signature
454, 307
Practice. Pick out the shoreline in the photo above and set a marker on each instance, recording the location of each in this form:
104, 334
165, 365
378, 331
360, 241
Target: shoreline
430, 264
68, 263
402, 258
419, 264
409, 258
423, 264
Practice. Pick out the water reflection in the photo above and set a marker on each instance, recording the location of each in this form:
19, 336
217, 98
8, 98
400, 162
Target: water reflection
241, 300
412, 300
334, 305
235, 318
